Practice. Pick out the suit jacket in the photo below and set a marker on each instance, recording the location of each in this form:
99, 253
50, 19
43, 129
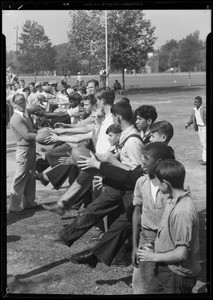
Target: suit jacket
193, 119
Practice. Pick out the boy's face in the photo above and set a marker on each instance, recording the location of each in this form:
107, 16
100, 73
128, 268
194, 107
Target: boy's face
149, 162
162, 186
73, 103
88, 107
113, 138
197, 103
141, 123
157, 137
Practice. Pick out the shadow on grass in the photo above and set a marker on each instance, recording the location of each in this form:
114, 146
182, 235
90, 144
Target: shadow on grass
13, 238
42, 269
127, 280
162, 90
13, 218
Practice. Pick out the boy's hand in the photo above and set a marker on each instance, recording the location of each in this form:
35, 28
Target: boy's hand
66, 160
146, 253
186, 126
134, 256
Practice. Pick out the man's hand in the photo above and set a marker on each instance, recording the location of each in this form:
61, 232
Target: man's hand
59, 125
97, 182
66, 160
53, 138
88, 162
40, 113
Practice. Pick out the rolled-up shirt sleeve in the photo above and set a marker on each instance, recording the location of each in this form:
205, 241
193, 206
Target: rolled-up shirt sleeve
137, 195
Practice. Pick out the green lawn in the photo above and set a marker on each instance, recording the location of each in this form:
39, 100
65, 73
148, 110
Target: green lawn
143, 80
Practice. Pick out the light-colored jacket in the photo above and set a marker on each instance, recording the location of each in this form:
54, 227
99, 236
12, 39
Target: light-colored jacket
193, 119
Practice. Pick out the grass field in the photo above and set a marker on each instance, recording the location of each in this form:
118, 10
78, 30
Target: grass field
37, 266
154, 80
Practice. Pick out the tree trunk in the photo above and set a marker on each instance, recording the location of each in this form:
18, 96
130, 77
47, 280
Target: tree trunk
123, 79
189, 78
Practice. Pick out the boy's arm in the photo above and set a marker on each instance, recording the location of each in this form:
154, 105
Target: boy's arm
189, 122
82, 129
136, 221
178, 255
76, 138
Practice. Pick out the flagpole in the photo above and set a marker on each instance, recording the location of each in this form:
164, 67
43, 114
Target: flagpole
106, 48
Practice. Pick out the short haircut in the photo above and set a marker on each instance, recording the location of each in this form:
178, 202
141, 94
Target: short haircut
163, 127
108, 95
22, 80
198, 98
125, 99
96, 83
114, 129
92, 99
172, 171
32, 83
75, 96
160, 150
123, 109
146, 112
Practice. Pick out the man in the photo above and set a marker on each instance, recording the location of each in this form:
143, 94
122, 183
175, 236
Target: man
144, 116
23, 190
198, 119
84, 181
92, 86
117, 86
103, 75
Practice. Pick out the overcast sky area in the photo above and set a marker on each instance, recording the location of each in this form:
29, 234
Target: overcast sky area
170, 24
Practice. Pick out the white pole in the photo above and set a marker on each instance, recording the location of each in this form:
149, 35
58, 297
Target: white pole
106, 46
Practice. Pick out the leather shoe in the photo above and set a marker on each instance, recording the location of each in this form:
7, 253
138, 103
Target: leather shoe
39, 176
89, 259
54, 208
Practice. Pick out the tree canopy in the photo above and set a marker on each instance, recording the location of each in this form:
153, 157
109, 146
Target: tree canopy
130, 36
35, 48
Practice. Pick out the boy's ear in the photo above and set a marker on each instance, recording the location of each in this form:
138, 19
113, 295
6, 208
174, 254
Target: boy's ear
149, 121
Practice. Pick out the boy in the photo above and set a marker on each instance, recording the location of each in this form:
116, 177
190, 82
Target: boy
198, 119
161, 131
149, 204
176, 248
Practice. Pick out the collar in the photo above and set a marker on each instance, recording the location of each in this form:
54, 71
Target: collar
127, 131
197, 109
22, 114
185, 193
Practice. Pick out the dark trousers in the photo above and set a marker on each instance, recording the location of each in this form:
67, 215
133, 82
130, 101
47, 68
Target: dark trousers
58, 175
120, 230
107, 202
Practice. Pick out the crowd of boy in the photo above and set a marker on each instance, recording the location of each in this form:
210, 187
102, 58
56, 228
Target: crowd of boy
119, 166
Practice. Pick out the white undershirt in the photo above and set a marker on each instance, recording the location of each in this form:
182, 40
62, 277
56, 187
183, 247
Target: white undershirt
154, 190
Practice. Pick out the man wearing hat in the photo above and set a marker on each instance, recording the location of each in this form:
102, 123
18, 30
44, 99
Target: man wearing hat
23, 190
38, 87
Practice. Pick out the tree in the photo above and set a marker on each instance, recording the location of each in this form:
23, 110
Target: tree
35, 49
130, 37
190, 53
169, 55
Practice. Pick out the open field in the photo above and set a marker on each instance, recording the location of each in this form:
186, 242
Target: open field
37, 266
141, 80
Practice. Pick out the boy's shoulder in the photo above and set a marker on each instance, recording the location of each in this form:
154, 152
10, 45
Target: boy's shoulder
143, 179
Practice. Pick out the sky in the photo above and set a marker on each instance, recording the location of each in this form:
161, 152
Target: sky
170, 24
